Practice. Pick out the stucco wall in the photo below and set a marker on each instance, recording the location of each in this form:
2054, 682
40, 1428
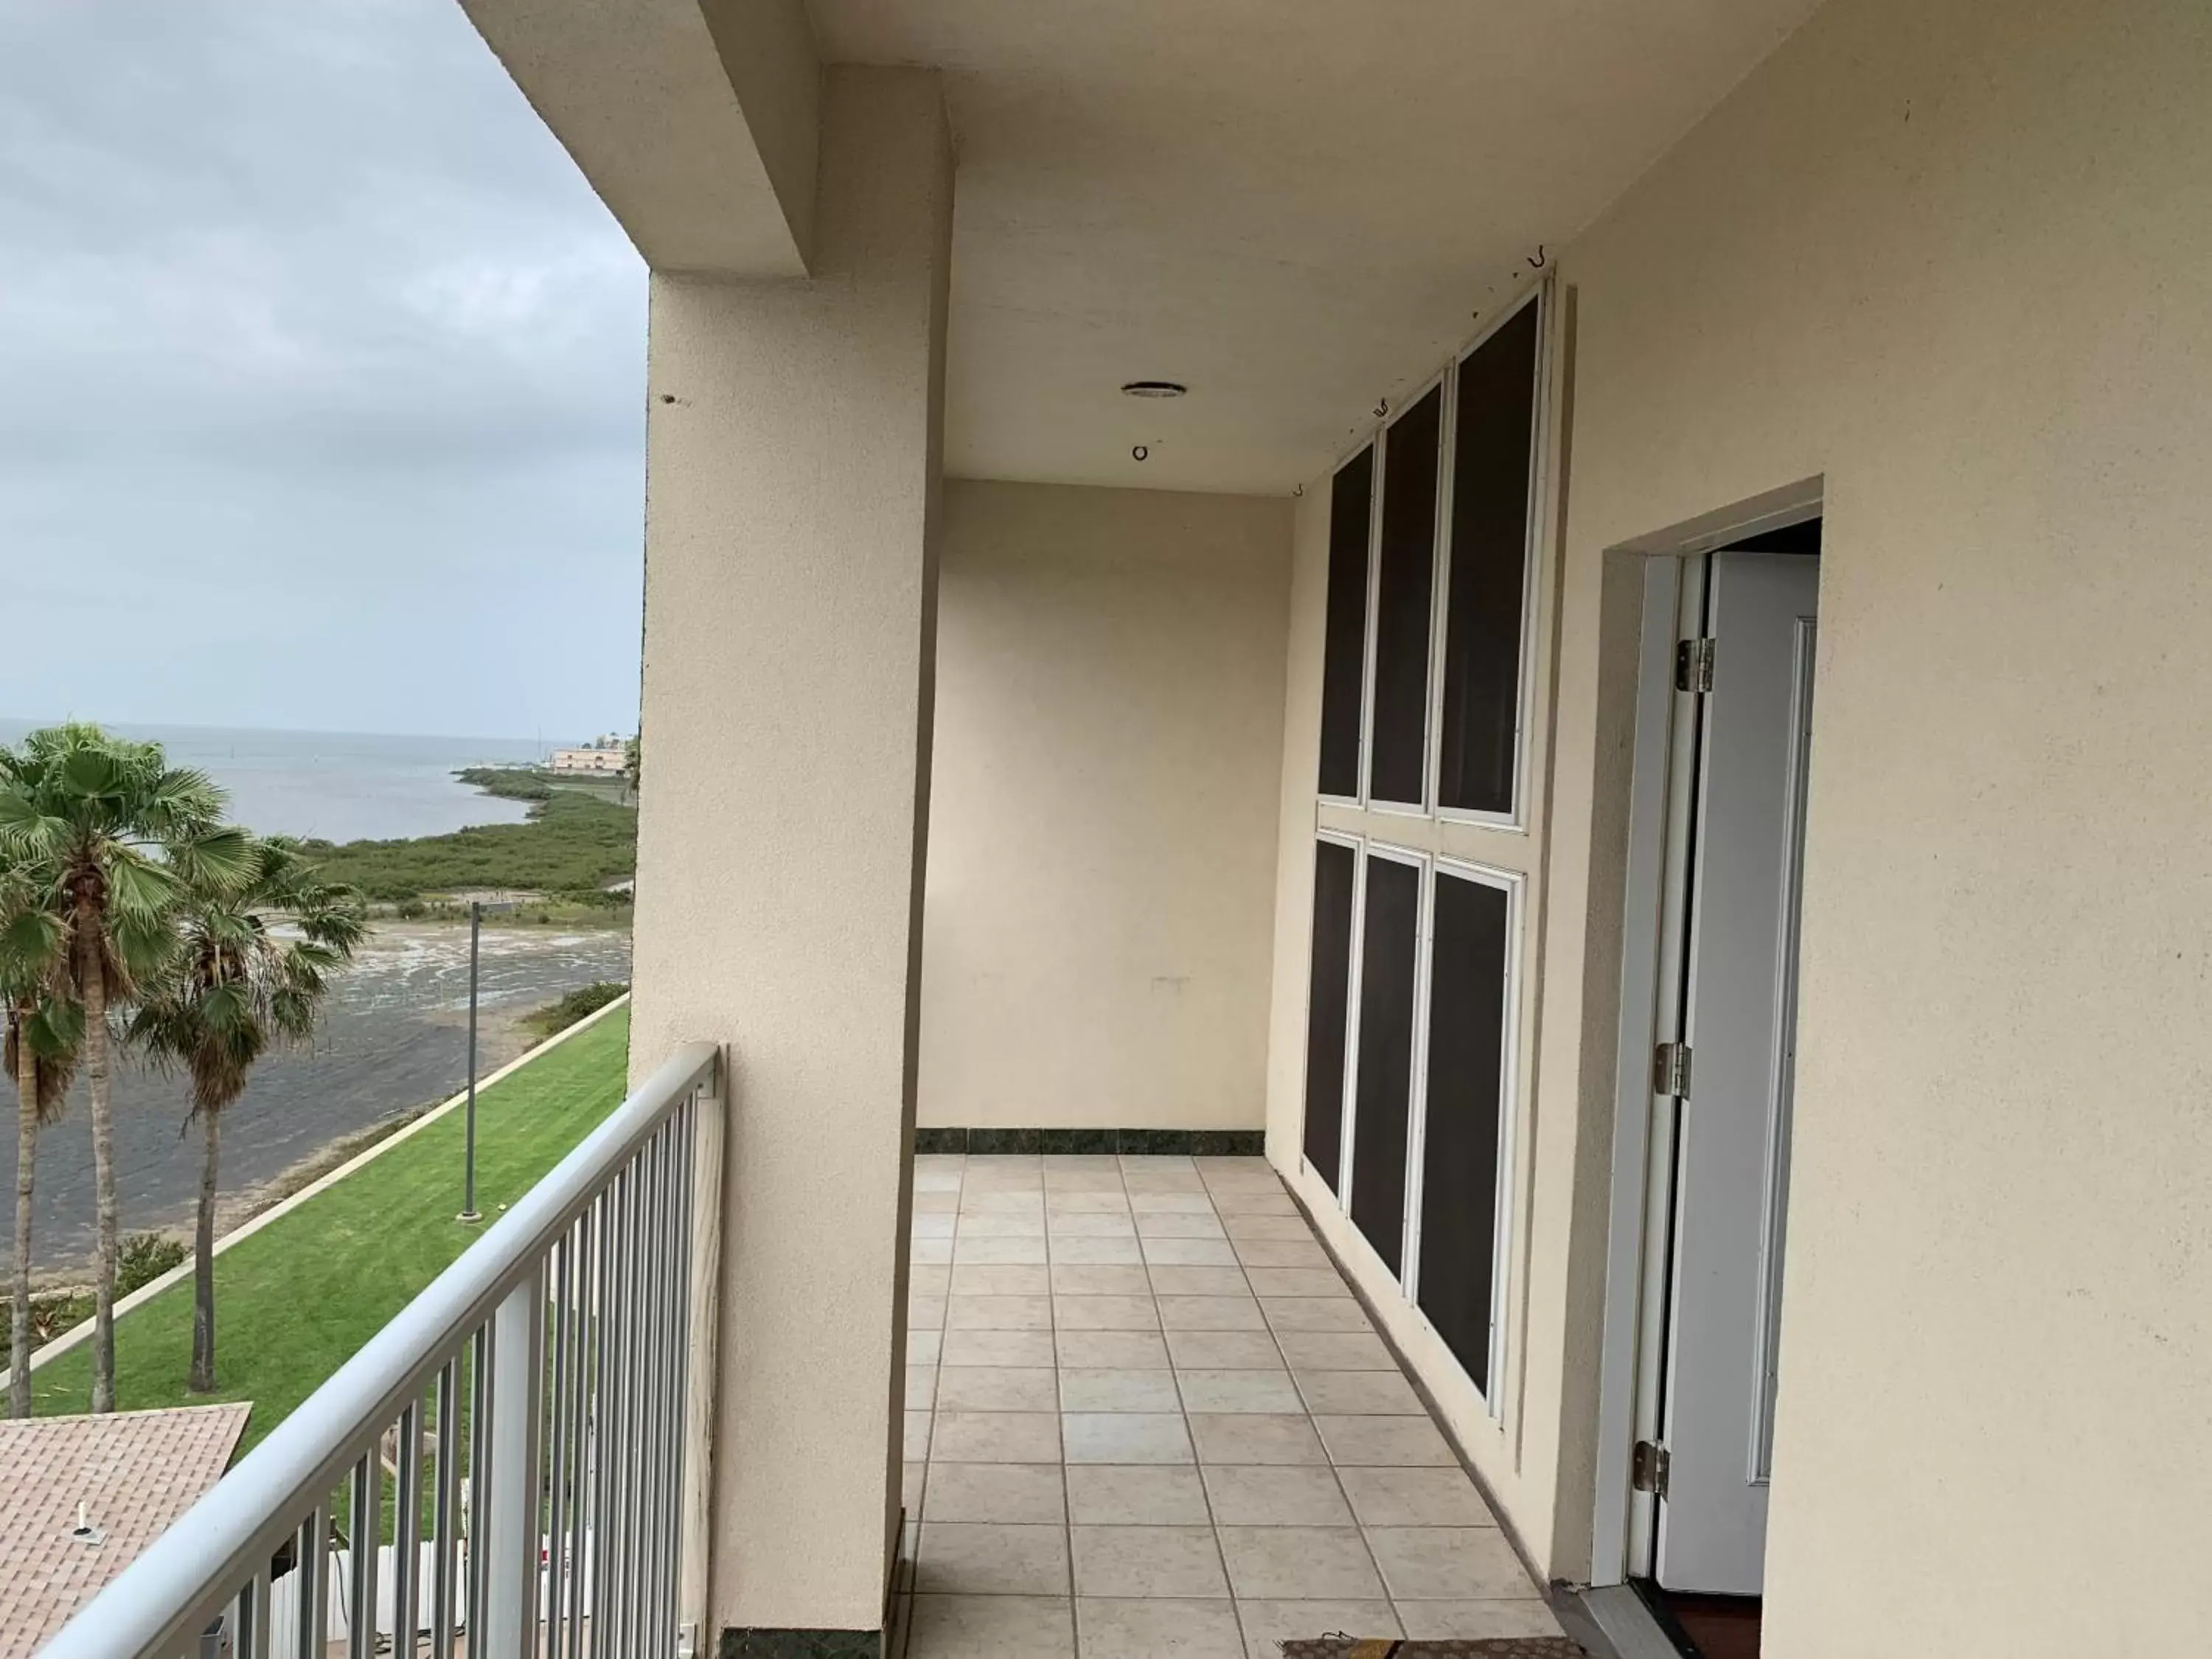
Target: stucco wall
1099, 904
1956, 259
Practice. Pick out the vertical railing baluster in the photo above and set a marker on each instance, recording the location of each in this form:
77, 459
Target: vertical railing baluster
406, 1529
511, 1538
672, 1542
482, 1346
671, 1405
253, 1601
649, 1337
616, 1467
579, 1511
367, 1535
701, 1340
445, 1509
603, 1412
313, 1609
557, 1538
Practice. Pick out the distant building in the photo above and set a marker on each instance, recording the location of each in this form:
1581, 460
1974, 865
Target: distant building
608, 755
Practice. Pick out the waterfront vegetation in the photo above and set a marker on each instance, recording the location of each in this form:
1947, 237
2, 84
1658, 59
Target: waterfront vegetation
572, 846
580, 1004
302, 1295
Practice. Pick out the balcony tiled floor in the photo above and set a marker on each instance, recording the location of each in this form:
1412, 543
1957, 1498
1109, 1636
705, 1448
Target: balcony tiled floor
1146, 1419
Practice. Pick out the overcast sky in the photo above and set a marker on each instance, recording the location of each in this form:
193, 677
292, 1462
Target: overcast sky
321, 379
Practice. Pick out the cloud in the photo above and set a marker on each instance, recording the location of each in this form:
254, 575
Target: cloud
321, 378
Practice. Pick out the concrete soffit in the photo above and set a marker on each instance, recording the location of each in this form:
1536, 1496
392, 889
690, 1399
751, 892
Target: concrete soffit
697, 122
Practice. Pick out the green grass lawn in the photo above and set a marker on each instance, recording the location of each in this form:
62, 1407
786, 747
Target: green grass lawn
297, 1300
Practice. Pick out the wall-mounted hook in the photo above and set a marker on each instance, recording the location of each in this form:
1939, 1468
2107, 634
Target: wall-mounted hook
1298, 492
1537, 264
1382, 407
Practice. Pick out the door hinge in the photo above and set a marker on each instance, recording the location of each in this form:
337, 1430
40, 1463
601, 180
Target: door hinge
1693, 666
1670, 1069
1647, 1470
687, 1641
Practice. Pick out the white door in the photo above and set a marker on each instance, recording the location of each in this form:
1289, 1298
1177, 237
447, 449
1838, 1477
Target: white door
1739, 1019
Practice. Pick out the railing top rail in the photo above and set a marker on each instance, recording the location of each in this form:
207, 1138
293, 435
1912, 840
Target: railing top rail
151, 1603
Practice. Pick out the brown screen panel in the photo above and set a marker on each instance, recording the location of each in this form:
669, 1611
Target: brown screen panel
1468, 966
1327, 1012
1344, 649
1493, 451
1384, 1095
1405, 590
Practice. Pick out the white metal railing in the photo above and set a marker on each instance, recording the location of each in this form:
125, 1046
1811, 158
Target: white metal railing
541, 1417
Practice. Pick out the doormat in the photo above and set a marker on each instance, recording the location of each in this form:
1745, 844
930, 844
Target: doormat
1389, 1647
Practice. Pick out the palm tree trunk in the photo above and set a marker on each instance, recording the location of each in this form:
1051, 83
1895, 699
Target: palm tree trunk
26, 1148
92, 974
202, 1377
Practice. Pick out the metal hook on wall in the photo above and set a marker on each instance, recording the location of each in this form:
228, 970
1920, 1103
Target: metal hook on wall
1537, 264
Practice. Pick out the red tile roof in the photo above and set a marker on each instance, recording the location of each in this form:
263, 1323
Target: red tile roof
135, 1472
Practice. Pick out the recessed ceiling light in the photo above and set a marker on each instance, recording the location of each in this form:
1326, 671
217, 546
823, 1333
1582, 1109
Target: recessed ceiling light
1154, 389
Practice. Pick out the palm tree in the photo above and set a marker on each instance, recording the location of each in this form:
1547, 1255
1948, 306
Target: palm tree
251, 969
110, 836
41, 1032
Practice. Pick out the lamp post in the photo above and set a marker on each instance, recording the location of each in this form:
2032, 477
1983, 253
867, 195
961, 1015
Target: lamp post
469, 1212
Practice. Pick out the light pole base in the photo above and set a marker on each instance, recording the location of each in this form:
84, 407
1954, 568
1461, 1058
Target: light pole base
469, 1216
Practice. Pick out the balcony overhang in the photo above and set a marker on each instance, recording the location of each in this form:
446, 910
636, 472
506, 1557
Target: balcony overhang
697, 121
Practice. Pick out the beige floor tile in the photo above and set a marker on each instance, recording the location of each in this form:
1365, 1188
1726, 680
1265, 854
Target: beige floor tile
1099, 1278
1111, 1350
1126, 1438
996, 1438
1199, 1281
1089, 1223
990, 1224
1162, 1180
1062, 1200
1001, 1278
1001, 1201
1274, 1563
1316, 1313
944, 1201
1255, 1202
1211, 1313
930, 1177
1284, 1253
1259, 1495
1086, 1390
1297, 1281
1103, 1313
1234, 1438
1222, 1351
1238, 1391
1190, 1253
1414, 1498
1170, 1201
1253, 1228
997, 1348
932, 1224
1094, 1250
1268, 1624
1179, 1224
1384, 1442
930, 1252
1080, 1172
912, 1476
993, 1248
1031, 1493
1152, 1163
1377, 1393
998, 1313
998, 1163
1157, 1629
922, 1346
1448, 1563
992, 1627
1335, 1350
997, 1388
925, 1313
1147, 1561
916, 1436
1474, 1621
925, 1279
920, 1387
1125, 1495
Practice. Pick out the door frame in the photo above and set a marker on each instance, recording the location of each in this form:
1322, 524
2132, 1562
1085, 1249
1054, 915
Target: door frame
1632, 1353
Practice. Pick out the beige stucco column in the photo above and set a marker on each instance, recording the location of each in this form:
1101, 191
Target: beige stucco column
790, 601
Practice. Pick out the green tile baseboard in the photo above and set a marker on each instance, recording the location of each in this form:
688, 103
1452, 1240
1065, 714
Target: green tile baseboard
1196, 1143
754, 1641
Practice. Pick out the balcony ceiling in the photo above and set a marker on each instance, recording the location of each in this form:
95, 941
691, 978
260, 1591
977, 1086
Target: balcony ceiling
1293, 205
